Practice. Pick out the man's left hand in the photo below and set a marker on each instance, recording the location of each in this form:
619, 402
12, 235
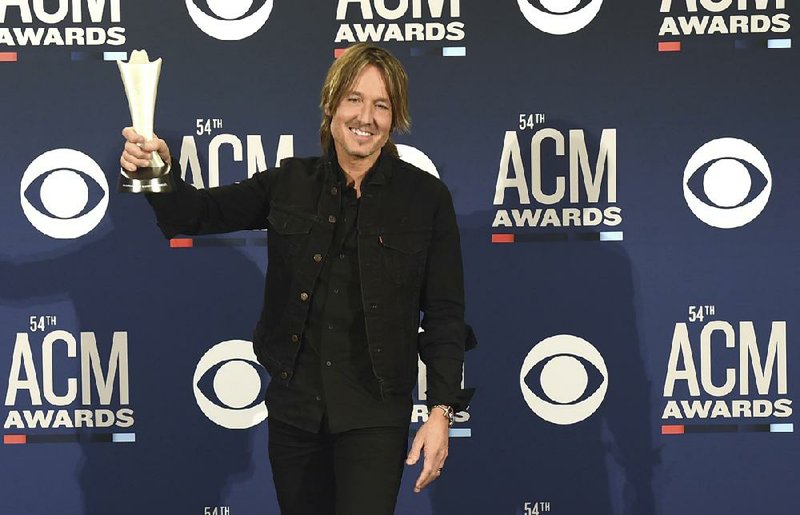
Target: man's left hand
431, 441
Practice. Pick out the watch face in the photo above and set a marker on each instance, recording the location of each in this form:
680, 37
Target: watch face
448, 412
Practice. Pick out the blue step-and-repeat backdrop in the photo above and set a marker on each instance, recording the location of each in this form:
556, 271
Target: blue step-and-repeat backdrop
626, 175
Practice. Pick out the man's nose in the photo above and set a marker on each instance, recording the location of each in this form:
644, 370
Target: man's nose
366, 113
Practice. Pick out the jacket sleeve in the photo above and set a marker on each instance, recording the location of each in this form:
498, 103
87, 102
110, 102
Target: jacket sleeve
187, 210
442, 342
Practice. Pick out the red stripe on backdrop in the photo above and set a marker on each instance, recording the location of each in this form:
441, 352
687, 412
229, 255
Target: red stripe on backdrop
14, 439
669, 46
181, 243
503, 238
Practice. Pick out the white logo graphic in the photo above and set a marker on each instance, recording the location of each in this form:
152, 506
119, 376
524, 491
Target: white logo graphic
64, 193
237, 384
564, 379
230, 26
561, 18
416, 157
76, 23
727, 183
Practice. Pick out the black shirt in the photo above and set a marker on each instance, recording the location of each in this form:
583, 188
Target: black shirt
409, 261
334, 381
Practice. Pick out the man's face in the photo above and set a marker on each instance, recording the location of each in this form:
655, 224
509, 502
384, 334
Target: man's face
362, 121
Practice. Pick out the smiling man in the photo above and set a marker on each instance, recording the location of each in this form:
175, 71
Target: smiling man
360, 243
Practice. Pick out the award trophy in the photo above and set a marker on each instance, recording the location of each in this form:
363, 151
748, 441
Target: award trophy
140, 77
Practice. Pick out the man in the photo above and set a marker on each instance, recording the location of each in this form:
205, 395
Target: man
359, 243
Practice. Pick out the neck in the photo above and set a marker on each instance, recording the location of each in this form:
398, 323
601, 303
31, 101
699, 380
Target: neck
356, 168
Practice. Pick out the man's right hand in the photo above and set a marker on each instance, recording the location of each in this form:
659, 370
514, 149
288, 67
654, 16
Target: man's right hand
136, 153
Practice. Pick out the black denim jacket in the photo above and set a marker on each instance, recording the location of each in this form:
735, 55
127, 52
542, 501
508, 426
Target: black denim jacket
409, 259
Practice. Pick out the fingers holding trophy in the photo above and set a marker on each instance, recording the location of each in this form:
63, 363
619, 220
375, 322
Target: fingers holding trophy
140, 78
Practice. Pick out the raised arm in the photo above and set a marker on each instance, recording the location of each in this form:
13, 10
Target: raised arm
187, 210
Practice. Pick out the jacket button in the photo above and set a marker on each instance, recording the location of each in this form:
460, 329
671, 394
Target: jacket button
284, 374
317, 257
304, 296
378, 350
328, 363
295, 338
373, 306
334, 190
332, 219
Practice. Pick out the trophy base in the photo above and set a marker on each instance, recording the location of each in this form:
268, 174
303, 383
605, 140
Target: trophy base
146, 180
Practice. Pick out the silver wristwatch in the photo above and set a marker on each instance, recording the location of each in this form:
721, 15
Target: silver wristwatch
448, 412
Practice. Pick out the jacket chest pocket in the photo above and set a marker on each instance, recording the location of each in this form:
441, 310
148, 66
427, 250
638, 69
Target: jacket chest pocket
289, 231
404, 254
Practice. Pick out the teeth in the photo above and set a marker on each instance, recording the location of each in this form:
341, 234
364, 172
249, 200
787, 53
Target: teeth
359, 132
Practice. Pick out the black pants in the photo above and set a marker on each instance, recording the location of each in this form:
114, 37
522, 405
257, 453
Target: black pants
357, 472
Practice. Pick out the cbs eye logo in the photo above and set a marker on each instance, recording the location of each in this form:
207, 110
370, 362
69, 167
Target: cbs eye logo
728, 184
229, 373
233, 20
63, 193
418, 158
559, 16
560, 365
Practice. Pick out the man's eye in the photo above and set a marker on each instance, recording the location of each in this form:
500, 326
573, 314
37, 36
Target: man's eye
383, 106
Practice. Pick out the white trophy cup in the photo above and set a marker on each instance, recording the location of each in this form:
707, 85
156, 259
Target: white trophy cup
140, 77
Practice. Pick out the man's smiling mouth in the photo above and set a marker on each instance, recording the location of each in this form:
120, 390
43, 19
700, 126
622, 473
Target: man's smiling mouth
359, 132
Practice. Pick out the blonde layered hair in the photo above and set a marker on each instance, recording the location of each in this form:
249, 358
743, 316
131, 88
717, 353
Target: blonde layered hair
340, 79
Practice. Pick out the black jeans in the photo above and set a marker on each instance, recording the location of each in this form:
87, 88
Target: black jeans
357, 472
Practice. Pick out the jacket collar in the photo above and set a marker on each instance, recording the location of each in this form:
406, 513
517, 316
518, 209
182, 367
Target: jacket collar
380, 173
